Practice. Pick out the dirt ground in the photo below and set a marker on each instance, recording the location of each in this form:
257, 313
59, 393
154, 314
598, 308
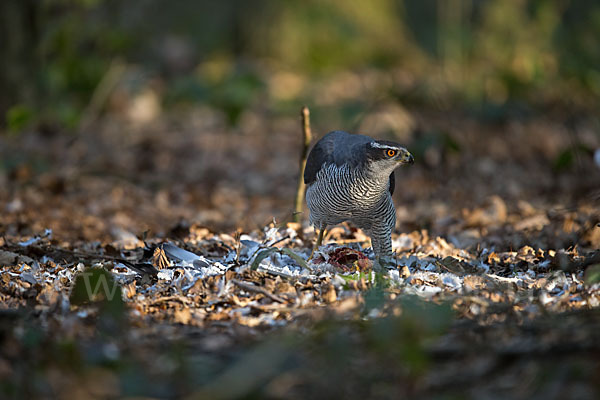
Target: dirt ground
496, 293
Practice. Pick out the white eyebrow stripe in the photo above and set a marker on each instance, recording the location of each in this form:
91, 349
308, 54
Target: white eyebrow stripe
383, 146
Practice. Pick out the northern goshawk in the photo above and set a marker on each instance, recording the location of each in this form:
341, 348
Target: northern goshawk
351, 178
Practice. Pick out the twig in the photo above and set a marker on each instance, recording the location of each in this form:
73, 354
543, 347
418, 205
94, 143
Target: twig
257, 289
180, 299
238, 245
281, 239
307, 138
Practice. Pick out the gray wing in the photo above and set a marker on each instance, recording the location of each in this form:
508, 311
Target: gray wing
337, 148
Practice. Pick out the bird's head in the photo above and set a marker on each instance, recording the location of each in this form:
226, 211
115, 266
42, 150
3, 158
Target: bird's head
385, 155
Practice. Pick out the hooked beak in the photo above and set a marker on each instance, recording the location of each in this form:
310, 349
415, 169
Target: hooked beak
406, 157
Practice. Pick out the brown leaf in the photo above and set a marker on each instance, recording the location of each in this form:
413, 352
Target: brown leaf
493, 258
159, 258
329, 294
405, 272
183, 315
474, 282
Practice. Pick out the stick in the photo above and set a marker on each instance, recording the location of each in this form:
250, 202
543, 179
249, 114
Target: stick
181, 299
257, 289
307, 138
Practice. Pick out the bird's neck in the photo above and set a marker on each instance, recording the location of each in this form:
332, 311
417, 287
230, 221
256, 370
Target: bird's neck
376, 179
378, 175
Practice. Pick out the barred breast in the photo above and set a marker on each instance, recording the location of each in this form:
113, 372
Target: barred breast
342, 193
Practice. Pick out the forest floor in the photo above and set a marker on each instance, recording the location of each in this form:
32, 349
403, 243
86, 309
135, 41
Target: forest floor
496, 293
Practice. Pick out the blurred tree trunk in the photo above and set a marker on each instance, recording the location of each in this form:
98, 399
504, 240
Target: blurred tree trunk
18, 52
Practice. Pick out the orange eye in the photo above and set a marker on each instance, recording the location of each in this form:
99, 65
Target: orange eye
391, 153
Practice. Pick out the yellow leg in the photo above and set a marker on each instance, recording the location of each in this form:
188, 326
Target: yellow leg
318, 244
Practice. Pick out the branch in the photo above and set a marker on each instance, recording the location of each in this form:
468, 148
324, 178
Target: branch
249, 287
307, 138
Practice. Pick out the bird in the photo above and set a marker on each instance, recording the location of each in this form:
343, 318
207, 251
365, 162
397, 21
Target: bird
350, 177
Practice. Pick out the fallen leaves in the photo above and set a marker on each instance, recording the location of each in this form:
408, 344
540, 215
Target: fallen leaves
507, 243
257, 289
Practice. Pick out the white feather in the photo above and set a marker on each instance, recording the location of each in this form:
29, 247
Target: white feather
382, 146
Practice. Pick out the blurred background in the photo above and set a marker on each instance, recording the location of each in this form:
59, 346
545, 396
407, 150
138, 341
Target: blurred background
146, 113
482, 55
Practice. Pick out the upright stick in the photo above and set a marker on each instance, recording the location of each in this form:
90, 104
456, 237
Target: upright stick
307, 138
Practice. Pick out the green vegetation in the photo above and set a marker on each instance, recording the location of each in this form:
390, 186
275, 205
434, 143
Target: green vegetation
490, 57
